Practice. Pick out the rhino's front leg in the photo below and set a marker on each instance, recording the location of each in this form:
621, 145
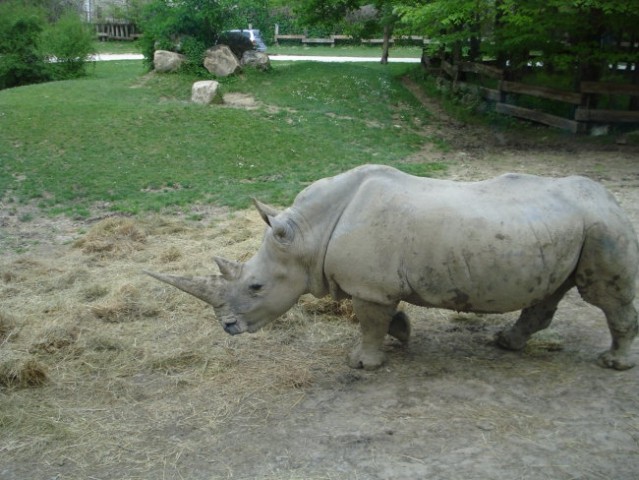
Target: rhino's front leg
374, 321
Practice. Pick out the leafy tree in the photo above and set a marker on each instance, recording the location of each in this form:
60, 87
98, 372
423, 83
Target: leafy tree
454, 26
335, 12
575, 35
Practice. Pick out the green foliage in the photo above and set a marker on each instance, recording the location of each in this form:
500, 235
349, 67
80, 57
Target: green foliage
69, 41
188, 26
136, 143
28, 43
20, 60
325, 12
562, 34
256, 13
357, 18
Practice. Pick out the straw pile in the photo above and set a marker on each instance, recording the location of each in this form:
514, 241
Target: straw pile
92, 351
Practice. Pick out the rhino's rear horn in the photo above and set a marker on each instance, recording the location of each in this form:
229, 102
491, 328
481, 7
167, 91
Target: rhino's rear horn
265, 211
204, 288
229, 269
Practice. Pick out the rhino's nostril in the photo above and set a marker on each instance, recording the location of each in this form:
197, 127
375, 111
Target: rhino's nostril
232, 328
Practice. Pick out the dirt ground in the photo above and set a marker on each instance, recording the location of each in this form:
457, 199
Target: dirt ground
106, 374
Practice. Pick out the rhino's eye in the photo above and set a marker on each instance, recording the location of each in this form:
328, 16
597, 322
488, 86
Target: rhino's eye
255, 287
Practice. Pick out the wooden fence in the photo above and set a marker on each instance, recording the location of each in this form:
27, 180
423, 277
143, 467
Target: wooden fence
583, 114
116, 31
331, 40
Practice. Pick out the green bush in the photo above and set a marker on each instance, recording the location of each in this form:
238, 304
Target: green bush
20, 59
69, 41
28, 45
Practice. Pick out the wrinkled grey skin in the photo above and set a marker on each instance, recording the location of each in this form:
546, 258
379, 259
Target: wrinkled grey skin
379, 236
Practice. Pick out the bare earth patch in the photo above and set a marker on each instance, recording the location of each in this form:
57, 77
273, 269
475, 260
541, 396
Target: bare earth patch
107, 374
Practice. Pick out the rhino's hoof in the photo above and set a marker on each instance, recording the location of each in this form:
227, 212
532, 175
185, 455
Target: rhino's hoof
610, 360
400, 327
366, 360
504, 339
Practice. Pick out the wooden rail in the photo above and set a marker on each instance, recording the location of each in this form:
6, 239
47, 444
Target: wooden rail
583, 115
116, 31
333, 39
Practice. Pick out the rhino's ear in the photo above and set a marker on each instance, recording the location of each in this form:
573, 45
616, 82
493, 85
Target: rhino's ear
265, 211
282, 231
230, 270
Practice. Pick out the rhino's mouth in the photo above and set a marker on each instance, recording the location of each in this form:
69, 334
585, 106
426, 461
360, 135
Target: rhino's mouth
232, 328
235, 326
235, 323
229, 321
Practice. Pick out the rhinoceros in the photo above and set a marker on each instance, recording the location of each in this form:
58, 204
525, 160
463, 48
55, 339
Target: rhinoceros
381, 236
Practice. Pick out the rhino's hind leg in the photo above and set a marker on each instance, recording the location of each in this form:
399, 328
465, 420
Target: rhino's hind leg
532, 319
622, 321
400, 327
606, 278
374, 322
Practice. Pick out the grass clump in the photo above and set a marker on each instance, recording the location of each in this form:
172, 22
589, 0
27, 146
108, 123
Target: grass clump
125, 304
113, 236
18, 370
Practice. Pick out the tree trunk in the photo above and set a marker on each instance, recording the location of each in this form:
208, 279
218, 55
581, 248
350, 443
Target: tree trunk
634, 76
474, 54
388, 33
590, 68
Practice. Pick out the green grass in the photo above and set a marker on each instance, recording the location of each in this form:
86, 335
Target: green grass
134, 142
116, 47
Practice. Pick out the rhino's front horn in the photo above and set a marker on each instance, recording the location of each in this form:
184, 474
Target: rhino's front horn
208, 289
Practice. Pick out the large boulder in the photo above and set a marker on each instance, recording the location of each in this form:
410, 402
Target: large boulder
220, 61
204, 92
255, 59
165, 61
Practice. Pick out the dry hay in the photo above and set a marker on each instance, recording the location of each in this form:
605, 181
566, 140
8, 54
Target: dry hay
125, 304
54, 338
19, 370
112, 236
7, 328
328, 306
101, 339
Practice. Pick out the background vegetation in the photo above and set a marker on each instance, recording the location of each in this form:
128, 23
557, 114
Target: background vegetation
578, 37
36, 48
134, 142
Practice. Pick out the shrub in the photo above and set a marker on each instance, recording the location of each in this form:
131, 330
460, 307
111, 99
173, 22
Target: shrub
28, 44
69, 41
20, 59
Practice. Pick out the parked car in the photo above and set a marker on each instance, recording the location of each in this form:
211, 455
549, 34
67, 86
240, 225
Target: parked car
254, 36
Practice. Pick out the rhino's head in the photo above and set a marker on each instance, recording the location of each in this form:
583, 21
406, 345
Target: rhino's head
247, 296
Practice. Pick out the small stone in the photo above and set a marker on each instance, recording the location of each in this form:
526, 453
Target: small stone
204, 92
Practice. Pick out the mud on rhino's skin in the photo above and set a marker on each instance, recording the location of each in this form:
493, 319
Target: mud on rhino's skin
380, 236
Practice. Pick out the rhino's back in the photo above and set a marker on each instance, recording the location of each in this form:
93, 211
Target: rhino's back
496, 245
